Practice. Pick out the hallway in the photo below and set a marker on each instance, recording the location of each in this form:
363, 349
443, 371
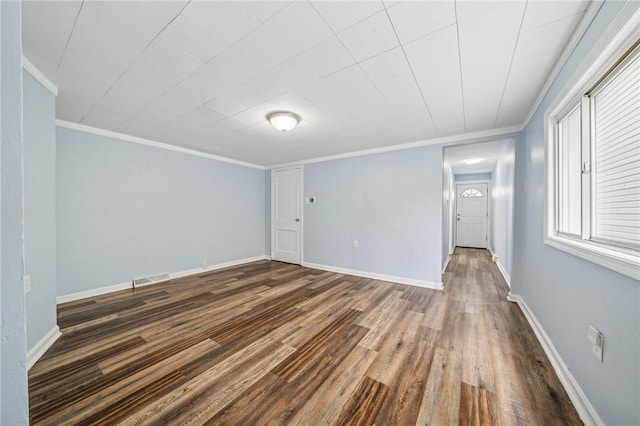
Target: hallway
501, 366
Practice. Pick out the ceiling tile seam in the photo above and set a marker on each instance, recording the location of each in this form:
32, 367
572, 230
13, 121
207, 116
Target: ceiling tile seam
513, 55
359, 62
193, 72
338, 38
298, 55
237, 41
464, 113
239, 3
335, 34
413, 74
429, 33
555, 20
207, 62
75, 21
133, 63
583, 25
255, 18
498, 4
348, 27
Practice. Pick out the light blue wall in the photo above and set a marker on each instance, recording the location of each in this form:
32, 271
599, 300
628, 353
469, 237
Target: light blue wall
391, 203
566, 293
13, 372
472, 176
39, 207
502, 187
127, 210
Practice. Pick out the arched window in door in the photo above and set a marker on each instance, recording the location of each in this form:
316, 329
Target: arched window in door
471, 192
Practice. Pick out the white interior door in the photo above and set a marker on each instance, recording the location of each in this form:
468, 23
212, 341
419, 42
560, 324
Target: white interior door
286, 218
471, 215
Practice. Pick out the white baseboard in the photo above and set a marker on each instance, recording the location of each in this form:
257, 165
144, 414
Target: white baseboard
503, 271
381, 277
124, 286
584, 408
93, 292
446, 263
34, 354
229, 264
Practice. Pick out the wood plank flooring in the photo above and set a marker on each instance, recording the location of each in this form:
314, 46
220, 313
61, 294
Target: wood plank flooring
273, 343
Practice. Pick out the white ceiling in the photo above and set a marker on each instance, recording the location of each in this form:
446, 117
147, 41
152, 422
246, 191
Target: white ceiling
488, 152
362, 74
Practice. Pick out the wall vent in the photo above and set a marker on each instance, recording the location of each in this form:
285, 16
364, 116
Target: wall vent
142, 281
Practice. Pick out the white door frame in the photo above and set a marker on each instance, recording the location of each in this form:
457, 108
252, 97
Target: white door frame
273, 222
452, 215
455, 209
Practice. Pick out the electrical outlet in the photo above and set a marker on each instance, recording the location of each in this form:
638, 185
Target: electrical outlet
597, 342
27, 283
355, 243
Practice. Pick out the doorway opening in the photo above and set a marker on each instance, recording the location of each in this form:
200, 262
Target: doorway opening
478, 200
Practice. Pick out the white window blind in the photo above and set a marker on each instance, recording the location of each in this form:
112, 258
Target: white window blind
615, 108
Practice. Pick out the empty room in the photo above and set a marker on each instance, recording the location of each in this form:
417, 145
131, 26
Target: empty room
311, 212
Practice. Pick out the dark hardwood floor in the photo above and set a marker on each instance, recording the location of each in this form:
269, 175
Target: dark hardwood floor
272, 343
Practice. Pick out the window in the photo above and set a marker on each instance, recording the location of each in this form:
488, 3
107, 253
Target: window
569, 190
593, 165
471, 192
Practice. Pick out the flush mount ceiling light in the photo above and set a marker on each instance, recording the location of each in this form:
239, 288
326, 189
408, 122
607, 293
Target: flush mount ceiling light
472, 160
283, 120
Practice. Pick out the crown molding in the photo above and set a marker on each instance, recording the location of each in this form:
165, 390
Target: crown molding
148, 142
446, 140
28, 66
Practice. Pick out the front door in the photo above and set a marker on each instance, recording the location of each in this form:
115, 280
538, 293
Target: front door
471, 215
286, 219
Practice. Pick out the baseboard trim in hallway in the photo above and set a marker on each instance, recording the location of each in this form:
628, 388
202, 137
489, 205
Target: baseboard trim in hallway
580, 401
500, 266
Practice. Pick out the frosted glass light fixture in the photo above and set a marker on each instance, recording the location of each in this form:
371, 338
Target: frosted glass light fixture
283, 120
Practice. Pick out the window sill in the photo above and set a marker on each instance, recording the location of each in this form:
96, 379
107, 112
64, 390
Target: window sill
617, 260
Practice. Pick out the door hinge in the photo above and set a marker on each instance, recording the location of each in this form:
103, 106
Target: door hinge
586, 168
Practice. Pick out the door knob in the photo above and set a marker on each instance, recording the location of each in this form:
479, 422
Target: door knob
297, 219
